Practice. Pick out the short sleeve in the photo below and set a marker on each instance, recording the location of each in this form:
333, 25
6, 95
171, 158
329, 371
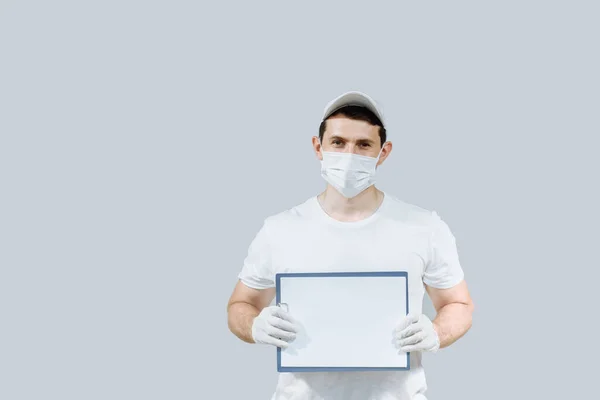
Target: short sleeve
443, 269
257, 271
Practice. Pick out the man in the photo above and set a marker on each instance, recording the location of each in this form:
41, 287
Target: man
354, 226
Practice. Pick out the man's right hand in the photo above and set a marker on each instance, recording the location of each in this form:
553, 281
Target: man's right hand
274, 326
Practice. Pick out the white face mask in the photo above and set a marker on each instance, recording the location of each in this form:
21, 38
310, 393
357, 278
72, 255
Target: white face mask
349, 173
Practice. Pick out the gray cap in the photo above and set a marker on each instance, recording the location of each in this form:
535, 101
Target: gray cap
353, 98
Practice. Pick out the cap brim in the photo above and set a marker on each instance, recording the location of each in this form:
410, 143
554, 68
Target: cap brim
353, 98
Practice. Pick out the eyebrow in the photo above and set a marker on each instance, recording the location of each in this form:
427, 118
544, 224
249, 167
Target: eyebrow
363, 140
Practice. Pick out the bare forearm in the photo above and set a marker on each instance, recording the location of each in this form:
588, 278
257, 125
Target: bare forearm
239, 319
452, 322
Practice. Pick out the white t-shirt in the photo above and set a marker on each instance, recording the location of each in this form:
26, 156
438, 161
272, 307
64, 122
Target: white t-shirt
398, 236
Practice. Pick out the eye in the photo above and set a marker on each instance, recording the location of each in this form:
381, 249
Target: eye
365, 145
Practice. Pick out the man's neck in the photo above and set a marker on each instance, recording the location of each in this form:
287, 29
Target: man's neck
357, 208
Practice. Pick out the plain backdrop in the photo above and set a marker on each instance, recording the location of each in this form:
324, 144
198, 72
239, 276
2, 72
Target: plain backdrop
143, 143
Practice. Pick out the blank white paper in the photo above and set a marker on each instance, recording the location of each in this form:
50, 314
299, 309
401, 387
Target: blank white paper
345, 321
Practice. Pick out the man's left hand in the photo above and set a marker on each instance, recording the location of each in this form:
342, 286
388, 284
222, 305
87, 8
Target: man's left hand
416, 333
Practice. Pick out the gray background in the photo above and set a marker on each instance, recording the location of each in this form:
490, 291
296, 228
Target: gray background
143, 143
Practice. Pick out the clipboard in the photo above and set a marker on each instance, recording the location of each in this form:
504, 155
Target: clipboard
346, 320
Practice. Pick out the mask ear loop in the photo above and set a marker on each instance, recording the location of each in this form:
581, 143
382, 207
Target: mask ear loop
379, 155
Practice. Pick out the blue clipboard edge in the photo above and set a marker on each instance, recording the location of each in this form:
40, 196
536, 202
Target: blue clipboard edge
278, 277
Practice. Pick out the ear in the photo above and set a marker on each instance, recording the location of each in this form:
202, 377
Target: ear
385, 152
317, 147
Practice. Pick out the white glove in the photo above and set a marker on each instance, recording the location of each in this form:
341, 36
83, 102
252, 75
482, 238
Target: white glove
416, 333
274, 326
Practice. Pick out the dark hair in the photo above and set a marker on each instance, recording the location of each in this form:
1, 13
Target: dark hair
357, 113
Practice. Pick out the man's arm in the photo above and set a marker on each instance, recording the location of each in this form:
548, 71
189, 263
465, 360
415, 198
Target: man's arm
244, 305
454, 312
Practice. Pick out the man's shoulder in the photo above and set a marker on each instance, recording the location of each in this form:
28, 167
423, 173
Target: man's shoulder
406, 212
296, 213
